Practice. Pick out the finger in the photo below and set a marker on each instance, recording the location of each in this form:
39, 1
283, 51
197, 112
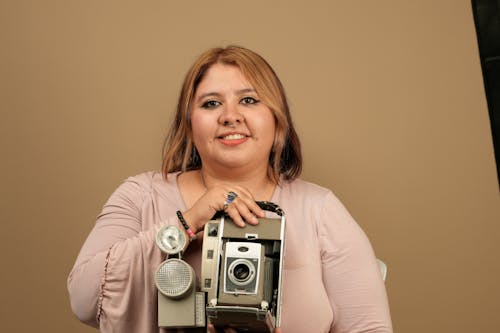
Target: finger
277, 330
240, 205
211, 329
259, 212
229, 196
245, 211
234, 214
246, 197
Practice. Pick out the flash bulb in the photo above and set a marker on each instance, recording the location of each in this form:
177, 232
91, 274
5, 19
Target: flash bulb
174, 278
170, 239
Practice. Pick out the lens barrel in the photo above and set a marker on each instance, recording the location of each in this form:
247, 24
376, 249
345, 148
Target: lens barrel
241, 272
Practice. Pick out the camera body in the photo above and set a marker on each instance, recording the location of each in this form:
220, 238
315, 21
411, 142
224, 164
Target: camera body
241, 274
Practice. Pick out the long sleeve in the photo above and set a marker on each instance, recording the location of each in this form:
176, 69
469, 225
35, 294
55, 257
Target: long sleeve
351, 275
111, 285
331, 279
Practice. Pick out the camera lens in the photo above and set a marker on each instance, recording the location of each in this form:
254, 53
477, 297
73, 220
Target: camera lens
241, 272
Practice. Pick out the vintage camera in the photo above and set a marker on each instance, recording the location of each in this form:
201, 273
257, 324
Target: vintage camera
242, 271
241, 277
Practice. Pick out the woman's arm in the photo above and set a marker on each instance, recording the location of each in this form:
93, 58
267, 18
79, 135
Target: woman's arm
112, 276
351, 274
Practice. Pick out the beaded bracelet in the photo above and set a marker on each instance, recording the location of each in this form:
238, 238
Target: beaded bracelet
191, 234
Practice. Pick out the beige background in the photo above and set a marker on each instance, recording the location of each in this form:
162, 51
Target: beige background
387, 97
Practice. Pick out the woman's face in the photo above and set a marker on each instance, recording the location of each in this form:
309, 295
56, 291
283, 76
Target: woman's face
231, 127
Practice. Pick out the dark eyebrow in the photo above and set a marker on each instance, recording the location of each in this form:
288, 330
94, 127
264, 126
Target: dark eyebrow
202, 96
216, 94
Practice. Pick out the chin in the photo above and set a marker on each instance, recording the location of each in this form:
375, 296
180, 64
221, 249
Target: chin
236, 163
238, 160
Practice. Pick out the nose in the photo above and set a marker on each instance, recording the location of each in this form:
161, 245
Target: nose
231, 116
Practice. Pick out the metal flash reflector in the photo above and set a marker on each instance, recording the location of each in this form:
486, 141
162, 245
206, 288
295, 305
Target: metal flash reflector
170, 239
174, 278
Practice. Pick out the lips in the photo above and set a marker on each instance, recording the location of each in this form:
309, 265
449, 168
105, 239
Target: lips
232, 139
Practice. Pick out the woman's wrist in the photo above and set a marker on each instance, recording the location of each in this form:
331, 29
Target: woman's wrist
192, 221
188, 227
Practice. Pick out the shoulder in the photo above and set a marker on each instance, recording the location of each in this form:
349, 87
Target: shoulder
301, 189
310, 197
147, 184
143, 191
151, 180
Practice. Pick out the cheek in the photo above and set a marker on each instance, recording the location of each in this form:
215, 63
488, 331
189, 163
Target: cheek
270, 125
267, 127
201, 127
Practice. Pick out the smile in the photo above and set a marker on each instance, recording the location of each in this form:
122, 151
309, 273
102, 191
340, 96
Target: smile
233, 139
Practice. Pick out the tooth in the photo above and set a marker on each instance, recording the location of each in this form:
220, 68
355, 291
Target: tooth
234, 137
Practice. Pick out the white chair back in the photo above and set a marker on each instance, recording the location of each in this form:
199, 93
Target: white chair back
383, 269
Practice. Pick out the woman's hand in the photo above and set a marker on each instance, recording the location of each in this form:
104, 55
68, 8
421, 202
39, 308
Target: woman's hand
212, 329
242, 209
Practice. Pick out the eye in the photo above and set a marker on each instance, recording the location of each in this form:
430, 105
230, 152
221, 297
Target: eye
249, 100
211, 104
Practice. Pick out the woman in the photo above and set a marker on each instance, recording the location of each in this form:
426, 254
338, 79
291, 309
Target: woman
232, 137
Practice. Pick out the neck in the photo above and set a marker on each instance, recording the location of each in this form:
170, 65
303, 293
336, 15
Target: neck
257, 182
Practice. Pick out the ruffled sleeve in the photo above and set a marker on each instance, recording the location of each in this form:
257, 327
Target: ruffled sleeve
111, 285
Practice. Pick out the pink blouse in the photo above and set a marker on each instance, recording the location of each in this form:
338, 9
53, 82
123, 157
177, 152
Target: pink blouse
331, 282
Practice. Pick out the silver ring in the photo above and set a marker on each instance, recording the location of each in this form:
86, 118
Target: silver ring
230, 198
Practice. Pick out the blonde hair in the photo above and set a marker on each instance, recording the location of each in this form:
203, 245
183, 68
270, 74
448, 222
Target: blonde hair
179, 153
